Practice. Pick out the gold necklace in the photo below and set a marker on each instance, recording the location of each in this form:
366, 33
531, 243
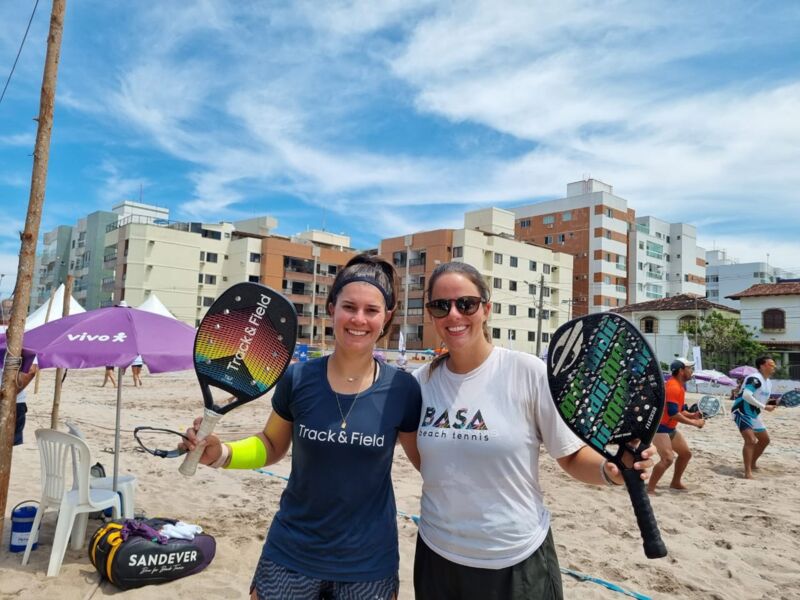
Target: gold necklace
339, 404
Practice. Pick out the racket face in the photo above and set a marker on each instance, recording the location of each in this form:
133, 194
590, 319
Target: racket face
245, 343
709, 406
790, 399
605, 381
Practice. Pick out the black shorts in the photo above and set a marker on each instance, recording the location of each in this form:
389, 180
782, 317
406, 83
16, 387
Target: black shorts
19, 423
538, 576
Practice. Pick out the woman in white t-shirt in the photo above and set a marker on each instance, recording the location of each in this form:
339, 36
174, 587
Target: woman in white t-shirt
484, 531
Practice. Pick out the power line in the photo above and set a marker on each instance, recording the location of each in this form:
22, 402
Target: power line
24, 37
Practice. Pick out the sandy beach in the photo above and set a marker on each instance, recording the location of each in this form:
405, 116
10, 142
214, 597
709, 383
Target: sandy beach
728, 538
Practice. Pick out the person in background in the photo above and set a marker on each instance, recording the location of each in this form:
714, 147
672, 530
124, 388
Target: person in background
668, 440
136, 370
747, 407
484, 532
335, 533
109, 376
23, 379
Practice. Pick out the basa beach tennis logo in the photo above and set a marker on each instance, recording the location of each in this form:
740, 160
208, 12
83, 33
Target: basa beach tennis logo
461, 426
120, 336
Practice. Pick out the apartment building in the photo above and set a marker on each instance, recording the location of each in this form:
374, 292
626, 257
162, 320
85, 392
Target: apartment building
591, 223
665, 260
52, 265
186, 264
529, 283
726, 276
303, 267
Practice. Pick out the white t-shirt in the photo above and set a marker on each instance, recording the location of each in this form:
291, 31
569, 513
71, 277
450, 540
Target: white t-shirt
479, 441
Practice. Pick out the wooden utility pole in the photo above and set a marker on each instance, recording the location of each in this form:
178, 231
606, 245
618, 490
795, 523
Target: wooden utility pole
27, 253
59, 370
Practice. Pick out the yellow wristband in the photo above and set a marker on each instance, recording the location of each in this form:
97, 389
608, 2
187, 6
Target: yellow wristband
249, 453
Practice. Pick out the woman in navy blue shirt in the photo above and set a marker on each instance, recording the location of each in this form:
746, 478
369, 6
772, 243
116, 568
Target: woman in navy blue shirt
335, 533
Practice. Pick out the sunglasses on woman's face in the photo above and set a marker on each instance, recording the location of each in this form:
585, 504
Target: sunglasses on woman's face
466, 305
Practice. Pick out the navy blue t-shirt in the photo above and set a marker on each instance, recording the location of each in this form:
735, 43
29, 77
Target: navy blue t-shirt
337, 519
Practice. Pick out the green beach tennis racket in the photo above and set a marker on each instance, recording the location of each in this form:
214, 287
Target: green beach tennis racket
608, 388
243, 346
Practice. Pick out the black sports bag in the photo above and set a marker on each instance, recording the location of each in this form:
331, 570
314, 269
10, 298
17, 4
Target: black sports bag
131, 553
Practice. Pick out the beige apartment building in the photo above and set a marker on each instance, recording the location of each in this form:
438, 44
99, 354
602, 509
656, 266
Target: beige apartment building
188, 265
529, 283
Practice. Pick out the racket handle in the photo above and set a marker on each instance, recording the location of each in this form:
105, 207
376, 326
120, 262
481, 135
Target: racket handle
189, 464
653, 544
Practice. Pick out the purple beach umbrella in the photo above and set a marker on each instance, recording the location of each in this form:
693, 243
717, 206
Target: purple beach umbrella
742, 372
110, 336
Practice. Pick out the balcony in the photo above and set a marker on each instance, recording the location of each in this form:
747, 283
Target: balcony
653, 254
654, 275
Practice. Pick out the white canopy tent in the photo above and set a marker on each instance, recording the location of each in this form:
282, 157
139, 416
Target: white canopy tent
40, 316
154, 305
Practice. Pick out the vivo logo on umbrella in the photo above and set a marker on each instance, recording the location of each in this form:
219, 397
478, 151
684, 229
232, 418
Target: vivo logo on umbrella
88, 337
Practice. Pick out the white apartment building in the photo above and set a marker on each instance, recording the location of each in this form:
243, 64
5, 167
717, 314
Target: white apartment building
726, 276
591, 223
665, 260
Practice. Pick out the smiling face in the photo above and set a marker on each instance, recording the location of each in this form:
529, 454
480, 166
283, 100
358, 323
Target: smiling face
461, 333
358, 316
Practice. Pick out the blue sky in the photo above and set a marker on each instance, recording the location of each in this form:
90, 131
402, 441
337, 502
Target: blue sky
379, 119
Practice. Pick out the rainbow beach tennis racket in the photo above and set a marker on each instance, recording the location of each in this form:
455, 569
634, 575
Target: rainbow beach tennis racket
608, 388
243, 346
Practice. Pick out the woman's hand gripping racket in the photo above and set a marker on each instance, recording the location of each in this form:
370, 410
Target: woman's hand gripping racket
243, 346
607, 385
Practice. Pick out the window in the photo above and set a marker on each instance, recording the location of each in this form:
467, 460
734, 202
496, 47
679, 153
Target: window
496, 308
561, 238
255, 257
498, 258
211, 279
566, 215
531, 313
211, 257
548, 239
546, 269
649, 325
525, 223
545, 337
512, 310
641, 245
512, 285
607, 279
546, 292
545, 315
458, 251
549, 219
610, 213
497, 283
512, 260
773, 318
532, 265
532, 289
496, 333
207, 301
686, 323
531, 336
253, 278
512, 334
608, 235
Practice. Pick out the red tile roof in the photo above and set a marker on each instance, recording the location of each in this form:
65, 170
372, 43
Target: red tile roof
782, 288
679, 302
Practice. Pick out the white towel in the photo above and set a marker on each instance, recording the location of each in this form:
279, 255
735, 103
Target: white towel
181, 530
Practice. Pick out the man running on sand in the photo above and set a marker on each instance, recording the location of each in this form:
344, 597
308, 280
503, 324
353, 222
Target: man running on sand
668, 440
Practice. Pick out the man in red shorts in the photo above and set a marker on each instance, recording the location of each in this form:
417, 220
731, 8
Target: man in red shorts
668, 440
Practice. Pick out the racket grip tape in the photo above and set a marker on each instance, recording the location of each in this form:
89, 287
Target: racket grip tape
653, 544
189, 465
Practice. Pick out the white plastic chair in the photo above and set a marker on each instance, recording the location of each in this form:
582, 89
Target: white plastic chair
126, 484
55, 448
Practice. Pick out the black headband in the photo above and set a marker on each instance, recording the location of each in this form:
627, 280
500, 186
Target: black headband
387, 296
